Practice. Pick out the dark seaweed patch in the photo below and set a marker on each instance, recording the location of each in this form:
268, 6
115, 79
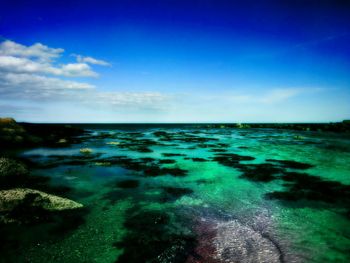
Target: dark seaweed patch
128, 183
218, 150
199, 159
206, 145
138, 145
303, 186
231, 159
182, 137
113, 196
68, 221
148, 168
143, 149
161, 134
172, 193
264, 172
172, 154
156, 171
150, 239
167, 161
291, 164
148, 159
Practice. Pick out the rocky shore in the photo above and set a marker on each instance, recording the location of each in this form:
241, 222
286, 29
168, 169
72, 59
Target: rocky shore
22, 205
19, 135
23, 196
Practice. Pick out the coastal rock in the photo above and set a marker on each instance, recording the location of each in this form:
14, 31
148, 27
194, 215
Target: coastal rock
85, 150
10, 131
11, 168
11, 199
14, 135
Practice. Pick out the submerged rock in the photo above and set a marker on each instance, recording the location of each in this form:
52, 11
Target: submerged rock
86, 150
10, 199
11, 168
232, 241
113, 143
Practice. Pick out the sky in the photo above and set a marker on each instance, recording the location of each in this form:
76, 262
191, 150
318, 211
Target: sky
175, 61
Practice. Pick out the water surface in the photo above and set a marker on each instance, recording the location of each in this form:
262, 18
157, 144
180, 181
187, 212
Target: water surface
191, 194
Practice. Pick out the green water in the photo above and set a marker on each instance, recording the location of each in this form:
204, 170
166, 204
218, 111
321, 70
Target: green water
213, 194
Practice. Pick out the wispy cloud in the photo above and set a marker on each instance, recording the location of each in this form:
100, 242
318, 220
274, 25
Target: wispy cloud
37, 51
270, 96
32, 73
39, 59
91, 60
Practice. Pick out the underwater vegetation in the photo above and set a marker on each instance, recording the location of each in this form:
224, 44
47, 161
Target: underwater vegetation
191, 193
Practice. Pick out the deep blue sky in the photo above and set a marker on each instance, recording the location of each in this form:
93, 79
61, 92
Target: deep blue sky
185, 61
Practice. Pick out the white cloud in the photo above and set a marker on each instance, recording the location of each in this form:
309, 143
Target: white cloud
91, 60
39, 59
131, 100
34, 87
75, 70
280, 95
271, 96
24, 65
31, 74
37, 51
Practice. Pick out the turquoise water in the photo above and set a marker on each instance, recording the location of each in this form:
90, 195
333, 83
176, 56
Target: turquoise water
219, 208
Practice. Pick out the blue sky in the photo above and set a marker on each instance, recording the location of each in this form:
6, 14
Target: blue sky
175, 61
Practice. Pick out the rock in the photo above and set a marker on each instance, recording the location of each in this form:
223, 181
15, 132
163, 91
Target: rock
113, 143
10, 132
7, 121
11, 168
85, 150
102, 163
14, 135
10, 199
62, 141
299, 137
242, 126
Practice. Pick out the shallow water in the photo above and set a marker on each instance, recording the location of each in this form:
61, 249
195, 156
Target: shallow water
213, 209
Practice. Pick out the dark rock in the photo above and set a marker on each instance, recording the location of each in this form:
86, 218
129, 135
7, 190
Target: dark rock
14, 135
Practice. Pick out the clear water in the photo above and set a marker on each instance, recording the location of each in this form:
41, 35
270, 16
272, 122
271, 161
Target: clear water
217, 194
